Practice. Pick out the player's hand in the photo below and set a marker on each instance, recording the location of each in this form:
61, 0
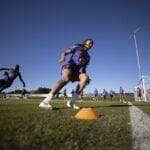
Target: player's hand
61, 60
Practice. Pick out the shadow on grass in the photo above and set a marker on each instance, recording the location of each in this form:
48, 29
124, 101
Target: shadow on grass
142, 104
59, 108
119, 106
64, 108
111, 106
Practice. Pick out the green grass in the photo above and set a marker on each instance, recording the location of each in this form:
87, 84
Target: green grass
145, 107
24, 126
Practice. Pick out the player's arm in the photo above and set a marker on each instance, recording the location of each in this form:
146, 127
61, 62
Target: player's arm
64, 54
84, 70
20, 77
1, 69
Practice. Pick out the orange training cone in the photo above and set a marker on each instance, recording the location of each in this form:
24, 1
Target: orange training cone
87, 114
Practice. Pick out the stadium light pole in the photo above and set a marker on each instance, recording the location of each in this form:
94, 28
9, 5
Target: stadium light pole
133, 35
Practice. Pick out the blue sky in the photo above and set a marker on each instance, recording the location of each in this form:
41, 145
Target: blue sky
33, 33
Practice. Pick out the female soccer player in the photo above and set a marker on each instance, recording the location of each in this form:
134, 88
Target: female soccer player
95, 94
9, 76
122, 95
73, 70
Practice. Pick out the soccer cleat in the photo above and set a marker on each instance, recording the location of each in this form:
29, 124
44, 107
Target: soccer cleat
45, 105
68, 104
75, 106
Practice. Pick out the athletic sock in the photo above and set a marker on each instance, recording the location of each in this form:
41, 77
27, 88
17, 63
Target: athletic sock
48, 98
74, 98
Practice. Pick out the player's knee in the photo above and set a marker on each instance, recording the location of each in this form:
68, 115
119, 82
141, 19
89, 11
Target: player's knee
66, 79
85, 78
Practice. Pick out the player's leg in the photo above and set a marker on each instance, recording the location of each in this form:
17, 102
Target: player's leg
83, 80
2, 82
59, 85
65, 78
1, 91
97, 97
3, 85
94, 97
124, 98
120, 97
65, 97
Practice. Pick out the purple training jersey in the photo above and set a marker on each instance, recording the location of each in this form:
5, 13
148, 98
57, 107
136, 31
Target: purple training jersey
5, 77
12, 74
79, 57
121, 90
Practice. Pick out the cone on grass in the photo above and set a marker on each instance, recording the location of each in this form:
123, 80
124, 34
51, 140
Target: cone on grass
87, 114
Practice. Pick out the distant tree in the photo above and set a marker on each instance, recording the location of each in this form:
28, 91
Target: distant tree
42, 90
17, 92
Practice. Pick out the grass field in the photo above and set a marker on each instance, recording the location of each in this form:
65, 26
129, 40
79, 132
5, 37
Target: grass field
24, 126
145, 107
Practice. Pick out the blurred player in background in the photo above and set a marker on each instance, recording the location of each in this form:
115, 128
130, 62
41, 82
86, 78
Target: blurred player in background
139, 93
95, 94
72, 92
111, 93
24, 94
122, 95
9, 77
82, 95
73, 70
104, 94
65, 94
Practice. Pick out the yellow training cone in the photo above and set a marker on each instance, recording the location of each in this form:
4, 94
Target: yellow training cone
87, 114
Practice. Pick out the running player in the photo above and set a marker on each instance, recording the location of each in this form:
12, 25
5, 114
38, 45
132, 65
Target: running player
95, 94
139, 93
111, 93
9, 76
73, 70
82, 95
104, 94
65, 94
122, 95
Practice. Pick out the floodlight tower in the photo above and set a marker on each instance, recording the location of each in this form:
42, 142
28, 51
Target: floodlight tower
133, 35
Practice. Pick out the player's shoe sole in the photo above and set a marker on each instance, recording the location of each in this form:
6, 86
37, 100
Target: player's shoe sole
45, 105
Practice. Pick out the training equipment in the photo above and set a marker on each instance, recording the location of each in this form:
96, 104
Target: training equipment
143, 89
45, 105
87, 114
